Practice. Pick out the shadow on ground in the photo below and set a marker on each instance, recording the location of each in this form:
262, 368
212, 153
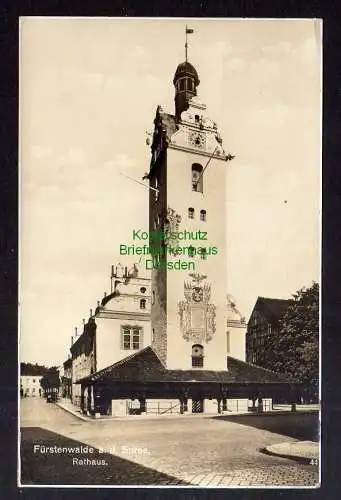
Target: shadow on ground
303, 426
60, 469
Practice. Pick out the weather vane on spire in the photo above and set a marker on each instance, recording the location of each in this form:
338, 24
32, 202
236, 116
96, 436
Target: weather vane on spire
187, 31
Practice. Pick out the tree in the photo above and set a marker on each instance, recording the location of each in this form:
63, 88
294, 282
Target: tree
295, 350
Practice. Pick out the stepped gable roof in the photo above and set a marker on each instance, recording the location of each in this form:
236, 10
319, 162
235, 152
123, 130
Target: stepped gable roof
145, 366
272, 308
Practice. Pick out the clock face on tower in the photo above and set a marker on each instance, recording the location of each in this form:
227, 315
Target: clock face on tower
197, 294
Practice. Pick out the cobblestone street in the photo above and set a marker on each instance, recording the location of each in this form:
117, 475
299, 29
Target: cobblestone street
180, 451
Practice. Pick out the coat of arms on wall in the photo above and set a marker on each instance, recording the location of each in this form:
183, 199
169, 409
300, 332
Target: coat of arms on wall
197, 315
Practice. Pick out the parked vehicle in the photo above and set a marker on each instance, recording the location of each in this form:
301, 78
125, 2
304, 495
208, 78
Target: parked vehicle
51, 397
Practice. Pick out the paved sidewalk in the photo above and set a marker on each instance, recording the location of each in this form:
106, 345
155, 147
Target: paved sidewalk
307, 451
66, 405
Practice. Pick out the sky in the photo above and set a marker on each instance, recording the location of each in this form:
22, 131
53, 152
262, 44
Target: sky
89, 89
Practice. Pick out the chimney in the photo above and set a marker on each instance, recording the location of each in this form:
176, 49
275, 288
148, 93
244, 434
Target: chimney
71, 339
105, 294
83, 321
98, 303
112, 271
90, 313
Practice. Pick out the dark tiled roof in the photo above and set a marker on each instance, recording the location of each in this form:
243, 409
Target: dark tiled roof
274, 309
186, 68
146, 366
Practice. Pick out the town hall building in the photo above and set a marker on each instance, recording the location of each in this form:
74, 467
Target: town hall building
196, 357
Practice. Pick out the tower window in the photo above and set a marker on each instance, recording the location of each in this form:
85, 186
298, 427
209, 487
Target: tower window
203, 253
191, 251
191, 213
189, 84
143, 289
203, 215
197, 178
131, 337
182, 85
197, 356
142, 303
197, 118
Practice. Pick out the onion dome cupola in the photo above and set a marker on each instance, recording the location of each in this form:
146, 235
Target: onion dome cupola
185, 81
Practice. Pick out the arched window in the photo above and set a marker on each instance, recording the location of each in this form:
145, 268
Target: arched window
142, 303
197, 356
191, 213
203, 215
197, 178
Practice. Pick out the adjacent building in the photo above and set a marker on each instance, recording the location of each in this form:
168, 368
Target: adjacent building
30, 385
66, 379
119, 326
264, 322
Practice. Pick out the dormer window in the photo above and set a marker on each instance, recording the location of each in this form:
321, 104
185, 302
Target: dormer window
191, 213
197, 118
203, 215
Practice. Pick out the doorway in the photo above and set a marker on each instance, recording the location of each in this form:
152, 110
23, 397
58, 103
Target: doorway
197, 405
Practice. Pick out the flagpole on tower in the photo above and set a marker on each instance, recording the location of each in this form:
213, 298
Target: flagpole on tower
187, 31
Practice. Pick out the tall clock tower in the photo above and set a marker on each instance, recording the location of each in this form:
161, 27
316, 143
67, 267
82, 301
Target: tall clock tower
187, 212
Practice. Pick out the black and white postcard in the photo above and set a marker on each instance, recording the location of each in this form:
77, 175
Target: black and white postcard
170, 228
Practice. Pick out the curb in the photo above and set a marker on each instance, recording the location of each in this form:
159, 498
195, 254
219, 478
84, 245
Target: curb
297, 458
75, 414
